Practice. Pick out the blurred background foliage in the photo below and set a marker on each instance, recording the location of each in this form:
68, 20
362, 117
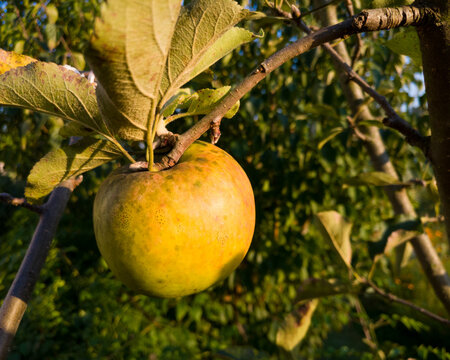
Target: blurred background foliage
279, 136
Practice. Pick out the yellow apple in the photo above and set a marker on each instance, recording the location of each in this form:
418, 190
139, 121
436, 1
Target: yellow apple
178, 231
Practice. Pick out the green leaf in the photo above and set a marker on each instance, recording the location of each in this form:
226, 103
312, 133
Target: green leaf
51, 33
171, 105
52, 13
395, 235
76, 59
295, 326
67, 162
128, 54
10, 60
229, 41
376, 123
333, 133
316, 288
375, 178
194, 47
336, 230
203, 102
406, 42
54, 90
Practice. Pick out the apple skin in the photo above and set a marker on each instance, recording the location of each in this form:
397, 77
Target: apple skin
178, 231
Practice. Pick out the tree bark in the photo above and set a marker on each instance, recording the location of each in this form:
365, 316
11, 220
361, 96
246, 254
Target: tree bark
426, 254
435, 47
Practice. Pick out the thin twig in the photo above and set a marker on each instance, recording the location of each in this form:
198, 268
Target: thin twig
16, 301
368, 20
394, 298
365, 325
11, 200
359, 43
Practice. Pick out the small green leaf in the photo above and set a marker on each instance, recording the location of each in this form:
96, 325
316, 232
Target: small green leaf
54, 90
76, 59
11, 60
406, 42
337, 231
67, 162
203, 102
376, 123
316, 288
333, 133
19, 46
52, 13
171, 105
295, 326
375, 178
51, 33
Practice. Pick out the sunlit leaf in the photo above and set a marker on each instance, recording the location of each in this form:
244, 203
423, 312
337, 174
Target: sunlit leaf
52, 89
225, 44
171, 105
77, 61
406, 42
333, 133
52, 13
295, 326
394, 236
128, 55
51, 32
203, 102
193, 48
10, 60
66, 162
337, 231
376, 178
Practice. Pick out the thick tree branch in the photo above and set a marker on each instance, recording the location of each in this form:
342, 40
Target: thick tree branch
19, 293
435, 47
11, 200
368, 20
423, 248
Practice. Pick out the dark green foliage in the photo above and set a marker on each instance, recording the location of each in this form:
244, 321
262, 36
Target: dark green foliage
79, 311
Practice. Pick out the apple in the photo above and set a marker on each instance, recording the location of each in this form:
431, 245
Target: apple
178, 231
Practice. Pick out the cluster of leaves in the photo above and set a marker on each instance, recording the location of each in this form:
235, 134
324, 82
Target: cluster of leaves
300, 166
139, 65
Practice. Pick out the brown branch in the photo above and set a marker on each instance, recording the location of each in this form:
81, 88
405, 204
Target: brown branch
394, 298
368, 20
15, 303
11, 200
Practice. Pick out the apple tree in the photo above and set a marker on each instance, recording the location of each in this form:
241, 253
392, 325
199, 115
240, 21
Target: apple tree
327, 117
